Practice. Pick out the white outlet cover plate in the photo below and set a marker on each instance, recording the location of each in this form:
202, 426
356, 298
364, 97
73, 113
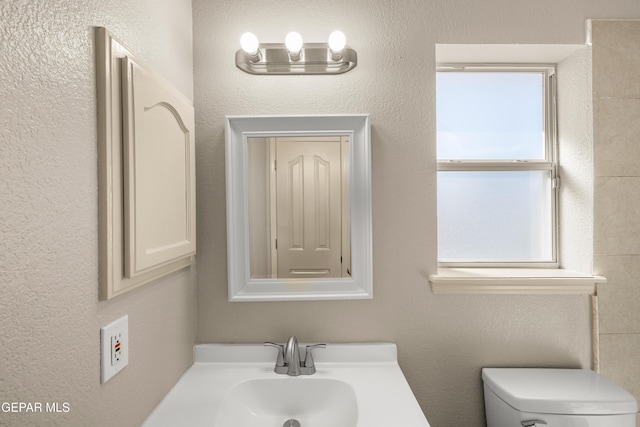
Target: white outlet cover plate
108, 365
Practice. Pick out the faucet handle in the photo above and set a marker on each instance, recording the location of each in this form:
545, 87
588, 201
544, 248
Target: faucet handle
308, 360
280, 347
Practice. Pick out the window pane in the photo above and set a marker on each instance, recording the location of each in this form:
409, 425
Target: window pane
490, 115
494, 216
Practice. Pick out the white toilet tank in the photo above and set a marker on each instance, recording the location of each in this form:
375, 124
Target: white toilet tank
521, 397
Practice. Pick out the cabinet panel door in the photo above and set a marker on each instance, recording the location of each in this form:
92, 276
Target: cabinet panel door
159, 171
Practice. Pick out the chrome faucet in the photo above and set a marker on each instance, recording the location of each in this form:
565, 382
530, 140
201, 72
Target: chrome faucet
292, 357
288, 361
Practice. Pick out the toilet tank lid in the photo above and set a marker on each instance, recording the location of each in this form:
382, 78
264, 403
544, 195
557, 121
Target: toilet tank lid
558, 391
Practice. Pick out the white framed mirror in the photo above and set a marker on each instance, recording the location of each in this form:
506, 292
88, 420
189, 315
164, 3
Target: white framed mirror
299, 227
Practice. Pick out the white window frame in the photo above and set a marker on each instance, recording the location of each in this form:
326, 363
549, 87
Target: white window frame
550, 163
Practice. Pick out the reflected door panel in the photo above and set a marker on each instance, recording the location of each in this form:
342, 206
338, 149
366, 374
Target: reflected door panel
308, 208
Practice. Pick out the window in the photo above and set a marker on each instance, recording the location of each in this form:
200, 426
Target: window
497, 166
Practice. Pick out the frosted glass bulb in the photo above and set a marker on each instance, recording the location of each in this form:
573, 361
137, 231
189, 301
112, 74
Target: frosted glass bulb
293, 41
337, 41
249, 43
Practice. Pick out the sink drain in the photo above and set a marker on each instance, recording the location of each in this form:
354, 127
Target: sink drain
291, 423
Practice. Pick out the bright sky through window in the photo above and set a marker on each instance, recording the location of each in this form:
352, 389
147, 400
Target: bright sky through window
485, 115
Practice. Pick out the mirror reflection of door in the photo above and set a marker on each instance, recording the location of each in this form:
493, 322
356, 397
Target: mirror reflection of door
298, 207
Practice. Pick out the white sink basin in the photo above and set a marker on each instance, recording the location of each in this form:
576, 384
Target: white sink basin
313, 402
233, 385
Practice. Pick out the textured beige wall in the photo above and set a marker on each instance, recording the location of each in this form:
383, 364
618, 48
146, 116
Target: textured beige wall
616, 117
575, 152
50, 316
443, 340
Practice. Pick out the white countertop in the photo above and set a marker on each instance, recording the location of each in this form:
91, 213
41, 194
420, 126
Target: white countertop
382, 392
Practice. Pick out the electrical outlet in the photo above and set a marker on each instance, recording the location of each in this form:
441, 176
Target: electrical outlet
114, 355
116, 349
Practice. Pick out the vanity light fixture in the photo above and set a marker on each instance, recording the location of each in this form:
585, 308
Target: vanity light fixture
294, 56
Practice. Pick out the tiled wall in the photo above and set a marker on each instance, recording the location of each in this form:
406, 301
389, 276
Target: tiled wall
616, 118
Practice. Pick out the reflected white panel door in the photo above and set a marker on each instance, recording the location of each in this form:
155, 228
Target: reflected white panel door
309, 209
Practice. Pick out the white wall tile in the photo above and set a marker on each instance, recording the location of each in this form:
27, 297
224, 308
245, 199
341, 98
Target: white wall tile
619, 360
616, 58
616, 131
619, 298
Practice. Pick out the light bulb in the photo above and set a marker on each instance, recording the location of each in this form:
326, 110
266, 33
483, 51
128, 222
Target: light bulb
293, 41
249, 43
337, 41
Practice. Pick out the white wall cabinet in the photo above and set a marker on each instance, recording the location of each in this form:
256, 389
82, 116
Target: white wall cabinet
146, 172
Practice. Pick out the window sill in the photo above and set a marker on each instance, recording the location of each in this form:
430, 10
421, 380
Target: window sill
542, 281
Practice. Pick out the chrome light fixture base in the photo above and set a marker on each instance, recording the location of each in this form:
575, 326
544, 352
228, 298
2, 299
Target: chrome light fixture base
314, 58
